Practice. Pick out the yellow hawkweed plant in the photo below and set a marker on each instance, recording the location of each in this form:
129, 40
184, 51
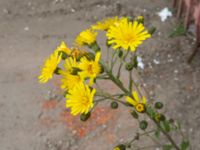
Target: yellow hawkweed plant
80, 99
84, 76
90, 68
86, 37
127, 35
49, 67
138, 103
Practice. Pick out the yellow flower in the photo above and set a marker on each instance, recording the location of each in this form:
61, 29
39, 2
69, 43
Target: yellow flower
69, 81
64, 48
49, 67
80, 99
127, 35
70, 63
89, 68
86, 37
137, 102
105, 24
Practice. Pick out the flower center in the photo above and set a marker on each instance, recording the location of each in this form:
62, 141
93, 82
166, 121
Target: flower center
85, 100
129, 38
140, 107
90, 69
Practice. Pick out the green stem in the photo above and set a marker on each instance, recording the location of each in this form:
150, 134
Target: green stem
165, 133
127, 92
130, 81
121, 63
115, 80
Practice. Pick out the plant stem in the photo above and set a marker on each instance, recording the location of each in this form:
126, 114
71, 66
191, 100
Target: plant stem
127, 92
165, 133
121, 63
130, 81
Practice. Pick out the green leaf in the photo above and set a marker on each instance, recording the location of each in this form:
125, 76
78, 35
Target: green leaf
167, 147
157, 133
185, 144
166, 125
179, 30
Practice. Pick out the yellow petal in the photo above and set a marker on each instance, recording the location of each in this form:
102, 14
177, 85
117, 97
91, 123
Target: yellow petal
135, 96
131, 101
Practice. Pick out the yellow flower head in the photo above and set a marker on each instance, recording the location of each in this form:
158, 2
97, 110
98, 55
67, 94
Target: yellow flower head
90, 68
49, 67
86, 37
105, 24
70, 63
137, 102
127, 34
69, 81
63, 48
80, 99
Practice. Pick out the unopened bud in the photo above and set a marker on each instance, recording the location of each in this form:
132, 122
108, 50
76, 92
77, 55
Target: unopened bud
95, 47
85, 117
134, 114
114, 105
152, 30
57, 71
143, 124
129, 66
158, 105
140, 19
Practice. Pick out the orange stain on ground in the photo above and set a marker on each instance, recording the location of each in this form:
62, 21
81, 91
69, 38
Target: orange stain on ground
100, 115
51, 104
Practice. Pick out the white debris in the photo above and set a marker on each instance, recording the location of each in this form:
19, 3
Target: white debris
164, 14
175, 71
157, 148
140, 63
26, 28
156, 61
73, 10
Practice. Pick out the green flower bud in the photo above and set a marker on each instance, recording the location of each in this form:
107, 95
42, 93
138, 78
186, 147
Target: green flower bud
135, 62
129, 66
130, 18
120, 147
162, 117
143, 124
120, 53
114, 105
158, 105
64, 55
140, 19
171, 120
134, 114
107, 44
85, 117
152, 30
75, 71
95, 47
57, 71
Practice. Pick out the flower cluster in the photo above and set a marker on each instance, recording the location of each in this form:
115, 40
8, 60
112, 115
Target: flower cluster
78, 68
83, 68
